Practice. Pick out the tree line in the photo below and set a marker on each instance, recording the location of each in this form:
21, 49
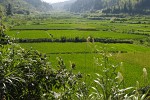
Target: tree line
112, 6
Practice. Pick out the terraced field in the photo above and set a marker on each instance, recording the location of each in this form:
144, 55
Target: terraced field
34, 34
134, 56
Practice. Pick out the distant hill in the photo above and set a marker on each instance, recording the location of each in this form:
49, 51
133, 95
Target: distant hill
26, 6
63, 5
39, 5
112, 6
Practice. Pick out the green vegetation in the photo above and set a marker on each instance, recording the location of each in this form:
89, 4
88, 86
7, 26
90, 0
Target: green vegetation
25, 7
111, 6
56, 56
9, 10
27, 74
57, 34
83, 54
84, 57
82, 47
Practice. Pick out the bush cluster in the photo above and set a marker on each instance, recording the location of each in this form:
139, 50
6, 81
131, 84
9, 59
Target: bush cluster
28, 74
3, 38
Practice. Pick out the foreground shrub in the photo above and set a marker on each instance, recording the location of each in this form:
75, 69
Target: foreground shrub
22, 72
28, 74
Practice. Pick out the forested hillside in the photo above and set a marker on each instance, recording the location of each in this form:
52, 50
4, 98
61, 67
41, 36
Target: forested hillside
25, 6
112, 6
39, 5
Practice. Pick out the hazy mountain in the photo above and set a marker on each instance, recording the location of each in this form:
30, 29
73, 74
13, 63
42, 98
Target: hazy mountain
39, 5
26, 6
63, 5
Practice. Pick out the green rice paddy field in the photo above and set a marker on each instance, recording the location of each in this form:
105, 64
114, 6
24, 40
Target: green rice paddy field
134, 56
31, 34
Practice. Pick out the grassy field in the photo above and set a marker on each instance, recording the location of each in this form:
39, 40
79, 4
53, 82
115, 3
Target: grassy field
33, 34
28, 34
134, 56
83, 47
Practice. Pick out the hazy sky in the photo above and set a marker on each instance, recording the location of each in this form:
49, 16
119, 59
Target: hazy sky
54, 1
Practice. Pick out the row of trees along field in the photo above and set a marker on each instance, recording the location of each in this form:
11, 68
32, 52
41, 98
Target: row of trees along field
112, 6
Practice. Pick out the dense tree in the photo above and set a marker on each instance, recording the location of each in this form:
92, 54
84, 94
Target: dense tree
8, 10
40, 5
